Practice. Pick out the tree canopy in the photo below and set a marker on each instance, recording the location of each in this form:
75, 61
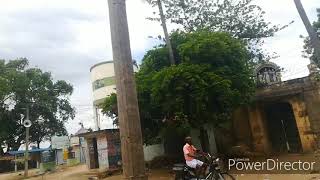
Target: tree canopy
241, 18
212, 78
308, 51
48, 102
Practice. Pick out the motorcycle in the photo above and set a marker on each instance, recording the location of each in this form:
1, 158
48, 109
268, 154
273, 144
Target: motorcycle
213, 172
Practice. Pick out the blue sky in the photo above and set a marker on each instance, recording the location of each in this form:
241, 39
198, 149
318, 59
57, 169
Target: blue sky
68, 37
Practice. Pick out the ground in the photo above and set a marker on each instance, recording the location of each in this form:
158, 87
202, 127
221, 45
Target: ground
81, 173
78, 173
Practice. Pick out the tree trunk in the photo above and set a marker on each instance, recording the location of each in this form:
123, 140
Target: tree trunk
204, 140
312, 33
38, 144
165, 31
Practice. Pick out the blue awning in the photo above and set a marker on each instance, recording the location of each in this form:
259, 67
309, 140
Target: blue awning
30, 151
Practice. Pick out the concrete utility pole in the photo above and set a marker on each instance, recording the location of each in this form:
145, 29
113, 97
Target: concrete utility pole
26, 156
129, 119
165, 31
315, 41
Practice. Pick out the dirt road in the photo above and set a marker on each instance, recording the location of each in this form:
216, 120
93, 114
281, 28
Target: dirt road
78, 173
81, 173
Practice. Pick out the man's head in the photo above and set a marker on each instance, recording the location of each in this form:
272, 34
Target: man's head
188, 140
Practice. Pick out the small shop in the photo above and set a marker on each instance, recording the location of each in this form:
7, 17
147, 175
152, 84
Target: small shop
103, 149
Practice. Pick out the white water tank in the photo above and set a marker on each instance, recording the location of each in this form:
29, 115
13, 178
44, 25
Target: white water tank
103, 84
103, 81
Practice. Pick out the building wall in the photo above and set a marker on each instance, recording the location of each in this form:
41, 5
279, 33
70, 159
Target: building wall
86, 152
59, 157
242, 127
212, 140
304, 97
114, 148
312, 105
102, 146
259, 129
195, 134
152, 151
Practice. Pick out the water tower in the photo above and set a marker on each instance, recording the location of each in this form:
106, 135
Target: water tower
103, 84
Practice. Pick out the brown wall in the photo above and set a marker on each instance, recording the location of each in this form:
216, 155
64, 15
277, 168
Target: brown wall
312, 103
241, 126
250, 123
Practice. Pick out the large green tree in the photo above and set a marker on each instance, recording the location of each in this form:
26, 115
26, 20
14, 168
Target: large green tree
10, 73
46, 99
241, 18
212, 77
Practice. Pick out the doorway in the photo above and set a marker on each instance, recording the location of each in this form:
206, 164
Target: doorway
93, 154
282, 127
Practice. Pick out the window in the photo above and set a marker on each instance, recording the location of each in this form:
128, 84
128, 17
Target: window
100, 83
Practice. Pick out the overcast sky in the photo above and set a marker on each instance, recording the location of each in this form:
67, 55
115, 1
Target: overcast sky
67, 37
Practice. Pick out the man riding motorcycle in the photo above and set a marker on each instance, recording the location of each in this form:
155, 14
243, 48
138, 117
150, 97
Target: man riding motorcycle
191, 154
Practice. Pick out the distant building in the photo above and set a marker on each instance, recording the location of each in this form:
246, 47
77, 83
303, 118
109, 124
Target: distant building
17, 157
69, 150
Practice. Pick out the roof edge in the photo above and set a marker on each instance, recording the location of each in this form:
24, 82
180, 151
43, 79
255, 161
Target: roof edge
104, 62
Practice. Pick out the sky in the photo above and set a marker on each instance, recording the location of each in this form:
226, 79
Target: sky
66, 38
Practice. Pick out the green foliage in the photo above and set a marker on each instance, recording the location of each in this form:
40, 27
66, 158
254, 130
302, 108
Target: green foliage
110, 108
308, 51
192, 90
242, 19
226, 56
155, 60
48, 101
212, 78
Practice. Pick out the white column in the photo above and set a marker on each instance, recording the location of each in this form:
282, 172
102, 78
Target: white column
96, 118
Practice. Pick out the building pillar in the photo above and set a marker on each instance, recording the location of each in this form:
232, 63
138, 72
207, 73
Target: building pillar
96, 117
15, 163
257, 119
312, 103
241, 126
308, 141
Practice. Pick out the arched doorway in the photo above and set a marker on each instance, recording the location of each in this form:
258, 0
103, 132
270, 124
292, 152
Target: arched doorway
282, 128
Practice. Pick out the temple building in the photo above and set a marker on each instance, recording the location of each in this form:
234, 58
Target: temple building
284, 116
